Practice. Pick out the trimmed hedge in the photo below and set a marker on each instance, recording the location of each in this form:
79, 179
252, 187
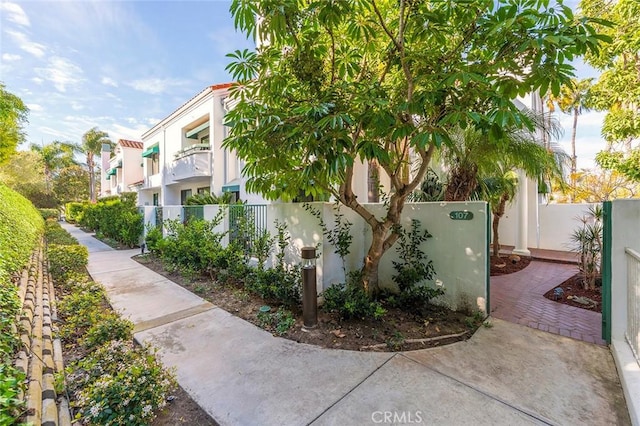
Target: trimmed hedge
20, 230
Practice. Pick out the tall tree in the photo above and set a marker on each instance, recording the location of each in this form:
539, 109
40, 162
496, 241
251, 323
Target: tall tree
55, 156
337, 81
92, 142
13, 115
617, 90
71, 184
574, 99
24, 173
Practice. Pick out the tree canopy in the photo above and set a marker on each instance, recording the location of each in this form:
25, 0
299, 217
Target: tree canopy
334, 82
13, 115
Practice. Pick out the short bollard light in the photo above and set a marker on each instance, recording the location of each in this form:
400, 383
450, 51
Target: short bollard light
309, 294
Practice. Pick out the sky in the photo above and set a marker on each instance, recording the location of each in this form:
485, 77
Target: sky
122, 66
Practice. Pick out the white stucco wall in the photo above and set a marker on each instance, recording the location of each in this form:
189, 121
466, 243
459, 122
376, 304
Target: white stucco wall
555, 224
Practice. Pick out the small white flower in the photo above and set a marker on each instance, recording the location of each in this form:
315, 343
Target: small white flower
146, 409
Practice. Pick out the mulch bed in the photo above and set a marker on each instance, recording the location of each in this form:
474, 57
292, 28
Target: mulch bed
573, 288
508, 264
398, 330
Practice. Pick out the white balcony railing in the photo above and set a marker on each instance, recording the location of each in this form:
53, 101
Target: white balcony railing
153, 181
191, 163
633, 301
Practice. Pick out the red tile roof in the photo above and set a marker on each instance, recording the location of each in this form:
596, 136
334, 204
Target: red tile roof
130, 144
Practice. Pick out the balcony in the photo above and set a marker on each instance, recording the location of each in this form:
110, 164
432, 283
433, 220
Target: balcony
191, 162
153, 181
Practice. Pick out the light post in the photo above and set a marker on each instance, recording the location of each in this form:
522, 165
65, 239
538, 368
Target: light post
309, 294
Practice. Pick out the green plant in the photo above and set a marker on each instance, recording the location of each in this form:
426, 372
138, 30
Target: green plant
72, 211
339, 236
475, 320
107, 326
204, 199
351, 301
49, 213
55, 234
413, 268
65, 259
119, 384
280, 321
278, 284
396, 341
152, 238
587, 242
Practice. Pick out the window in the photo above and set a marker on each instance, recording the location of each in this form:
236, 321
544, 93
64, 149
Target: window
204, 140
156, 198
184, 194
204, 190
155, 164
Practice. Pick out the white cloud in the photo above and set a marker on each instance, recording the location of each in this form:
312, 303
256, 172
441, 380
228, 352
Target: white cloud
37, 80
61, 72
23, 42
108, 81
15, 14
9, 57
35, 107
156, 86
76, 106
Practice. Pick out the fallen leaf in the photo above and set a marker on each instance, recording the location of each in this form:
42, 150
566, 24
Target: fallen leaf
338, 333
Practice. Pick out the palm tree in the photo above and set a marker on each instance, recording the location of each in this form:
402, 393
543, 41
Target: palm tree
92, 142
55, 156
471, 154
574, 99
498, 182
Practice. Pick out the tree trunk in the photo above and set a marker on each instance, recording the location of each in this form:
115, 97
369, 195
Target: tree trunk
92, 178
372, 260
497, 215
462, 183
573, 154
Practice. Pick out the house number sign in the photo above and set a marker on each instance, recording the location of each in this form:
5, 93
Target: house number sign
461, 215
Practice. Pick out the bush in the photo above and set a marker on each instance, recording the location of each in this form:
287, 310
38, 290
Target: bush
119, 384
20, 229
49, 213
55, 234
115, 217
65, 259
72, 211
152, 239
351, 301
106, 327
276, 284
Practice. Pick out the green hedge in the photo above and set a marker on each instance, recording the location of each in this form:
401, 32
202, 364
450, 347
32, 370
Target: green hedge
49, 213
20, 230
111, 217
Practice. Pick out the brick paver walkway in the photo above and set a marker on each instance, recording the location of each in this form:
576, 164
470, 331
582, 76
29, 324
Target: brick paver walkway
518, 298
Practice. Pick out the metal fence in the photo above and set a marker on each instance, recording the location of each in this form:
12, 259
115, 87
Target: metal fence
633, 301
246, 223
159, 217
192, 213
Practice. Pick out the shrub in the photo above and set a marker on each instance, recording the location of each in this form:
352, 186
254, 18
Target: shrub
152, 239
65, 259
351, 301
72, 211
413, 269
276, 284
106, 327
49, 213
131, 227
587, 242
119, 384
55, 234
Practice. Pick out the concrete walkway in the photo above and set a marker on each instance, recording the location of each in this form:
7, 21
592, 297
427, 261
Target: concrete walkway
241, 375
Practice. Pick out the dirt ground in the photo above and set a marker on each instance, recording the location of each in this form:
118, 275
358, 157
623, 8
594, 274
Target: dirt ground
573, 288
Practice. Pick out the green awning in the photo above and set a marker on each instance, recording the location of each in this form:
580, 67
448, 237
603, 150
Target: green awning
193, 133
231, 188
112, 172
155, 149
